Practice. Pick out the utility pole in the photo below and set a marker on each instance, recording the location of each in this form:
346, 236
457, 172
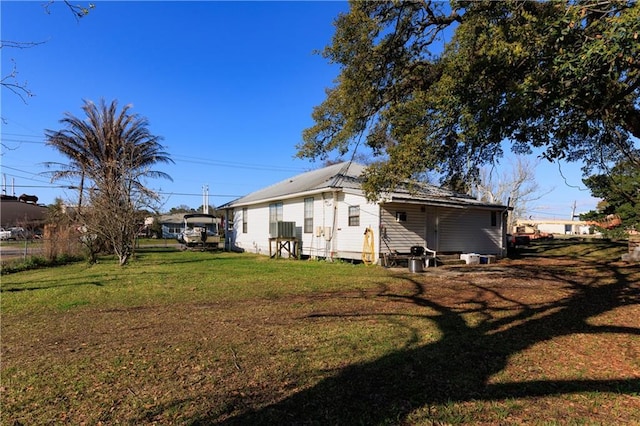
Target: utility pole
573, 211
205, 199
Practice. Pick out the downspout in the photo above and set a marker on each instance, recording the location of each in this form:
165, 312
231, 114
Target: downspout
436, 230
380, 232
227, 234
503, 242
323, 243
334, 233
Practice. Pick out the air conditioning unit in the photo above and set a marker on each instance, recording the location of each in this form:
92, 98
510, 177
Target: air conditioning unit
282, 230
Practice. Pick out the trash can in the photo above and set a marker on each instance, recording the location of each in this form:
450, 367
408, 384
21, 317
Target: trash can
417, 251
416, 264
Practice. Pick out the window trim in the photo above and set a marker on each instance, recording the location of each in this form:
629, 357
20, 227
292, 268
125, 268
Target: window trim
308, 215
245, 220
276, 212
354, 215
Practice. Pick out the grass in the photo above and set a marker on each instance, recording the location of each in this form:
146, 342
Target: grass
222, 338
579, 248
161, 277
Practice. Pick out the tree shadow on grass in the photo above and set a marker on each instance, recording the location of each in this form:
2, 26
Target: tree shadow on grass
458, 367
554, 248
96, 280
48, 287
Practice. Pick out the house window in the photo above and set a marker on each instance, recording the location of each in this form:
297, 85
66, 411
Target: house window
354, 215
245, 217
308, 215
401, 216
494, 219
275, 213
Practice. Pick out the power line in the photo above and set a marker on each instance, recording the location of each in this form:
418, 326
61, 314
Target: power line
3, 140
22, 171
44, 186
22, 135
197, 195
196, 160
233, 164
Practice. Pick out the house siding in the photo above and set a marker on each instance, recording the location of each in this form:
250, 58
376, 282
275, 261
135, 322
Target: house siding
349, 240
331, 237
468, 230
442, 229
318, 242
401, 236
255, 240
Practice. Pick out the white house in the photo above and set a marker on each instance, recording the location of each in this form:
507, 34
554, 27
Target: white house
559, 227
332, 216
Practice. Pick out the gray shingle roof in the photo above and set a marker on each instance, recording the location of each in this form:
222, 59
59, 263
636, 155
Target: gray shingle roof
347, 175
341, 175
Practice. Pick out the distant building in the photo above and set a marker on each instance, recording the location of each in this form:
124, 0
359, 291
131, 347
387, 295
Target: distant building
17, 213
171, 224
557, 227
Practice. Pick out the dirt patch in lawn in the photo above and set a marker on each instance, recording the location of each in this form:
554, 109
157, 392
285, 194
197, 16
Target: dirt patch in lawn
518, 342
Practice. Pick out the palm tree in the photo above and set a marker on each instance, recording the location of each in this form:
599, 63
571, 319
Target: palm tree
112, 153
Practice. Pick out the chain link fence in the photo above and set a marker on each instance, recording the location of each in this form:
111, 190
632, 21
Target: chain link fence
62, 245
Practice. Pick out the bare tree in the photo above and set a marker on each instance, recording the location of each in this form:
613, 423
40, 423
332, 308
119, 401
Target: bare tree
515, 186
10, 80
78, 11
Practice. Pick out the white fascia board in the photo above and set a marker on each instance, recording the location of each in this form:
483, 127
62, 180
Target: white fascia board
448, 203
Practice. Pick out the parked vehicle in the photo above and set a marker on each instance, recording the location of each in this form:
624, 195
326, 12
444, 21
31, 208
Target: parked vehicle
515, 242
200, 230
19, 233
5, 234
531, 231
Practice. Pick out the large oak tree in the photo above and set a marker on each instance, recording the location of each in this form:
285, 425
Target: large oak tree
444, 87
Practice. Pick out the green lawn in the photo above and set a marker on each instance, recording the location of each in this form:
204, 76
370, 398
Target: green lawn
224, 338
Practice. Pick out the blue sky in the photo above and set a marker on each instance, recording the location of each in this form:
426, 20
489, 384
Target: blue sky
229, 85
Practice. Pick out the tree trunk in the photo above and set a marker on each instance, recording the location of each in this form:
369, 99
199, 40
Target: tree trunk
632, 123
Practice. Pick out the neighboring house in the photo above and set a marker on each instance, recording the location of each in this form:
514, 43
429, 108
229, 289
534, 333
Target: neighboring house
172, 225
331, 215
559, 227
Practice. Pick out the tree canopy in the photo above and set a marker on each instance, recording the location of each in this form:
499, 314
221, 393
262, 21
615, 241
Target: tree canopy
444, 87
620, 194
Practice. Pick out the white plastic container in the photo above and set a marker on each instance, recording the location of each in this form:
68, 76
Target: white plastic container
470, 258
